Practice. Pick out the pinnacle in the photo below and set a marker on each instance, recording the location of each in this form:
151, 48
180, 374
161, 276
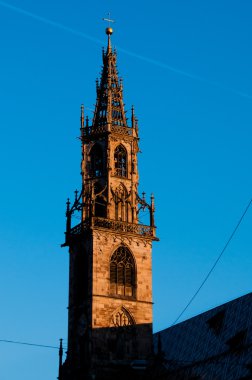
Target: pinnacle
109, 109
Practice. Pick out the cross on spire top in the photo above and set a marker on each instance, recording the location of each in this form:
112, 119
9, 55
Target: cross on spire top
108, 19
109, 30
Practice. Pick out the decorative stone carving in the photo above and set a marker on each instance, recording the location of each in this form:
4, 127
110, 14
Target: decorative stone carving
121, 318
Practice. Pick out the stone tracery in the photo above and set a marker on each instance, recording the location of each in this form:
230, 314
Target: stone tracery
121, 318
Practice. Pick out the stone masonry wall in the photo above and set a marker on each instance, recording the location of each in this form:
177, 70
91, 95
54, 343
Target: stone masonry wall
104, 304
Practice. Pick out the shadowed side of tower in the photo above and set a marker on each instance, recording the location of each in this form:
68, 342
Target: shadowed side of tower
110, 275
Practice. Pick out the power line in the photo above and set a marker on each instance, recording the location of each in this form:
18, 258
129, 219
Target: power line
191, 299
28, 344
215, 263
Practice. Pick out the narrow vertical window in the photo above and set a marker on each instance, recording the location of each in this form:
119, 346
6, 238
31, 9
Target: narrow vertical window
120, 158
96, 161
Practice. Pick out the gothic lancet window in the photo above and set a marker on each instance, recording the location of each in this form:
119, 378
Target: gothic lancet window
120, 158
122, 273
96, 161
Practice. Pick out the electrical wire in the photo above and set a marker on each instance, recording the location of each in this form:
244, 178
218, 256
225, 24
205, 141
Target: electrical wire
28, 344
187, 305
214, 265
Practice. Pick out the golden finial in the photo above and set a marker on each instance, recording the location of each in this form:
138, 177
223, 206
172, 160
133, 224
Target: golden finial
109, 30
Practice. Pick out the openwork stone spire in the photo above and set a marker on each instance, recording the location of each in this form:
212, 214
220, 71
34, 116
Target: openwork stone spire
109, 110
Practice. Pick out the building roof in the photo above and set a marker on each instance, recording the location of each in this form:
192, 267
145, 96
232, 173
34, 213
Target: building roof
216, 344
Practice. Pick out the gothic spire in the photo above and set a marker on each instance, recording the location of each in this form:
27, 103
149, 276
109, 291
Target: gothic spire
109, 109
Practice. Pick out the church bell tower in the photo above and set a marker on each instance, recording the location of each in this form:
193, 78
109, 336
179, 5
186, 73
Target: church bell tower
110, 275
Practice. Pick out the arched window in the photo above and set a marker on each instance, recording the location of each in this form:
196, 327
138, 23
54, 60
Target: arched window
120, 158
122, 272
96, 161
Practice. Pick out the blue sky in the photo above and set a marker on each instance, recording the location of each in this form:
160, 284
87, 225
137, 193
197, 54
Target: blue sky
186, 67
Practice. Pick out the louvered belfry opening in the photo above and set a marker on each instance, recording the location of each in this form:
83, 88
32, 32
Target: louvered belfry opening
122, 273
